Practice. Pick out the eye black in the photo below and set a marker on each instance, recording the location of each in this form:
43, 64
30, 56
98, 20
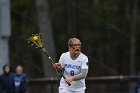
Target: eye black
76, 44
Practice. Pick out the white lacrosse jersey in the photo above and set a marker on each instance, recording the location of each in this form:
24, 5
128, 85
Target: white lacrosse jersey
71, 68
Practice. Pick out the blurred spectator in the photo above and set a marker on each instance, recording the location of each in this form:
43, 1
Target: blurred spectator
5, 85
19, 81
137, 88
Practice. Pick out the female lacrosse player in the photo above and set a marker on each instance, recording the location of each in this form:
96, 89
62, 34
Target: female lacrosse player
75, 66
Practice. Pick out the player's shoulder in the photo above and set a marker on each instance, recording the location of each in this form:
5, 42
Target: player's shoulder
83, 55
64, 54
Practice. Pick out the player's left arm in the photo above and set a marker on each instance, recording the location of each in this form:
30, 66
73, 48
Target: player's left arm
82, 74
79, 76
84, 70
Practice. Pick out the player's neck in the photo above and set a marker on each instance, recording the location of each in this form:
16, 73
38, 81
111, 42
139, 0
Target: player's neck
74, 56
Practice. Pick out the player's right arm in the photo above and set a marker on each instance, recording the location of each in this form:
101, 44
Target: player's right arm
58, 68
57, 65
60, 65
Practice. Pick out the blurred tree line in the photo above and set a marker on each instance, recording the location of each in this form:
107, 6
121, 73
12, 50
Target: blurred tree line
109, 31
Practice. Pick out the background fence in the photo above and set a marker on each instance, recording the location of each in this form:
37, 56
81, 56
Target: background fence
121, 82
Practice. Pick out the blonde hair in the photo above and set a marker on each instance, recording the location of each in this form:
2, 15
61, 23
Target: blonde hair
70, 41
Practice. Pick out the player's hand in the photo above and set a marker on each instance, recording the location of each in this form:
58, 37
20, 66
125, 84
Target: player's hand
69, 79
57, 65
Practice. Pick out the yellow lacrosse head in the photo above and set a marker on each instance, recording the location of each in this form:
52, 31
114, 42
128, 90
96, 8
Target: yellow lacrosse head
35, 39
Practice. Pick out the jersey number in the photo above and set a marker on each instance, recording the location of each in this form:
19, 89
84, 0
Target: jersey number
72, 73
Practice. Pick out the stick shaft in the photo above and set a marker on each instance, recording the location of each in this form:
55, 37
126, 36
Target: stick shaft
52, 61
